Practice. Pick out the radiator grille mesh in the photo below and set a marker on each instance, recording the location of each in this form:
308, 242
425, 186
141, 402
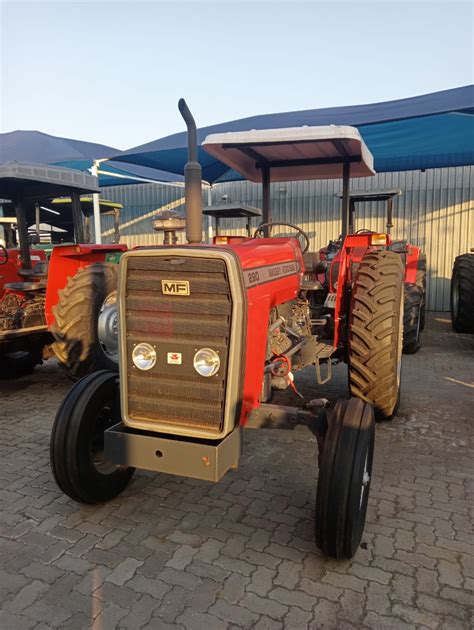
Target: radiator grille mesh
172, 394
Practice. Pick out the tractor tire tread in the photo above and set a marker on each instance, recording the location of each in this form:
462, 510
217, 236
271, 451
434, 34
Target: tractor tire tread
463, 270
376, 299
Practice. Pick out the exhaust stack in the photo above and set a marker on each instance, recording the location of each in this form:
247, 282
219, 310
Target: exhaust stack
192, 179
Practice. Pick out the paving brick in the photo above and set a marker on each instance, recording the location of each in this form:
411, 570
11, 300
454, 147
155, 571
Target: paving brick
296, 619
345, 581
234, 588
262, 581
233, 614
154, 587
199, 621
450, 573
139, 613
28, 594
124, 571
264, 606
109, 617
292, 598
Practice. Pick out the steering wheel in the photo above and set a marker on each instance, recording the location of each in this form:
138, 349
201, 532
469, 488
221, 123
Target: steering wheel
3, 255
364, 231
259, 232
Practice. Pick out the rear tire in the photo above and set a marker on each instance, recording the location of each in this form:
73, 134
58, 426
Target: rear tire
77, 345
376, 332
462, 294
77, 441
344, 478
413, 303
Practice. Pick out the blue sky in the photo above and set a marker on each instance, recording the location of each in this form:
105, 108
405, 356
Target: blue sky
112, 72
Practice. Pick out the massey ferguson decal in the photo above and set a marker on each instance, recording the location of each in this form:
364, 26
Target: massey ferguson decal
174, 358
260, 275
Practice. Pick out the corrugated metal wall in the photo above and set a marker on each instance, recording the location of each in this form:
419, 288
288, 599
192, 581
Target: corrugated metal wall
435, 211
140, 202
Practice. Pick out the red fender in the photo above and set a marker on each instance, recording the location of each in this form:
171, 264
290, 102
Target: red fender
65, 262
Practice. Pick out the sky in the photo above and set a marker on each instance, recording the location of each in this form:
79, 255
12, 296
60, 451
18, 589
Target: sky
112, 72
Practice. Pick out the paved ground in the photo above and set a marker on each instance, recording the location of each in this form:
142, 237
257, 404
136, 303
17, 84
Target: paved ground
176, 553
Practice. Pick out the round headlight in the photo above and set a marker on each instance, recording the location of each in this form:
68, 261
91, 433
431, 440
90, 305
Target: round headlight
144, 356
206, 362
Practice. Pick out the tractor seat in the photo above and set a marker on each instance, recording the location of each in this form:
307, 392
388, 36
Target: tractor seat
25, 286
40, 270
313, 265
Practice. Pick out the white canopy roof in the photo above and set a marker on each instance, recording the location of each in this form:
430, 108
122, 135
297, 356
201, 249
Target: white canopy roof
294, 153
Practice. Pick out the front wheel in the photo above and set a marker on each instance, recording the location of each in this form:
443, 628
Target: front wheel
77, 455
344, 478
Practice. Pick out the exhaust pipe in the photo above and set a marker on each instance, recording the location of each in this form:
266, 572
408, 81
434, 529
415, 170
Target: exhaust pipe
192, 179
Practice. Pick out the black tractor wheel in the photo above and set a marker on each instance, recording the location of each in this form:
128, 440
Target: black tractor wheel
344, 478
77, 441
413, 304
421, 282
78, 346
376, 332
15, 364
462, 294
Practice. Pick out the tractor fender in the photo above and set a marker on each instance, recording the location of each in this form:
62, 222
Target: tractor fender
411, 263
65, 262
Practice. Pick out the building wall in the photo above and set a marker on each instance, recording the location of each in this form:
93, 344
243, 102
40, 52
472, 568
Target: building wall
435, 211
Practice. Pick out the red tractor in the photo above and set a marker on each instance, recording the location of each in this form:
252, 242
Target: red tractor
207, 332
414, 262
37, 315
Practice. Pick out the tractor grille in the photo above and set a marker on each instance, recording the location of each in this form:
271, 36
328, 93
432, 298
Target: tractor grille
173, 393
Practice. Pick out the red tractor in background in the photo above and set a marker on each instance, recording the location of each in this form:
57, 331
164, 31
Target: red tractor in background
414, 262
207, 332
35, 318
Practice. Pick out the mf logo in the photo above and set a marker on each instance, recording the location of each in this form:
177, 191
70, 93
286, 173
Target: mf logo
175, 287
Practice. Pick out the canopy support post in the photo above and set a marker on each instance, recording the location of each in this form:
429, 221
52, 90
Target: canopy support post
346, 173
77, 217
37, 218
96, 205
22, 233
266, 207
389, 215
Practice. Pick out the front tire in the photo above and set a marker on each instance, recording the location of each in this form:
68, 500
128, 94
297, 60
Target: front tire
462, 294
376, 332
77, 441
77, 344
344, 478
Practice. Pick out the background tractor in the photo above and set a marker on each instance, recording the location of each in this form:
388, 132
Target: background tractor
462, 293
206, 332
36, 316
414, 262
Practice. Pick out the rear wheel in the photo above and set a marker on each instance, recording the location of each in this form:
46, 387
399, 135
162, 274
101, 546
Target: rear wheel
344, 478
462, 294
376, 332
413, 304
80, 345
77, 441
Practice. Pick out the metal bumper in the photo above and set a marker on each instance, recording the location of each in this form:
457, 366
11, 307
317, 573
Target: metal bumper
200, 459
